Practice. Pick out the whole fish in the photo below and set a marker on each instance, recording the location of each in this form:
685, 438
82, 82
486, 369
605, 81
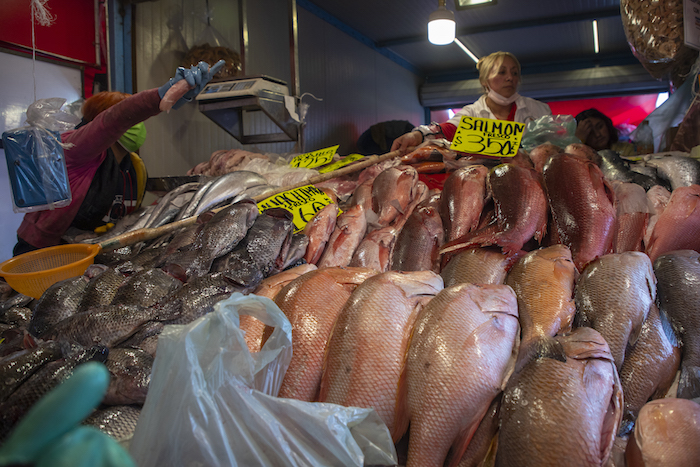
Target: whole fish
463, 197
170, 204
266, 244
392, 191
649, 368
319, 230
118, 421
581, 202
58, 302
485, 265
666, 434
367, 348
252, 327
563, 407
106, 325
19, 316
418, 243
678, 275
312, 303
375, 250
631, 218
145, 338
41, 382
129, 376
615, 167
543, 281
521, 211
539, 155
583, 152
240, 267
350, 229
481, 450
678, 168
222, 189
613, 295
678, 225
18, 367
456, 365
146, 288
657, 198
297, 249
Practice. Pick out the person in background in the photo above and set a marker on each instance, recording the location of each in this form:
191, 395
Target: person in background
595, 129
105, 184
499, 75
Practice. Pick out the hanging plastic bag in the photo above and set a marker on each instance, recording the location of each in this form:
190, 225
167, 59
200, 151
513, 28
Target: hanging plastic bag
211, 402
35, 162
559, 130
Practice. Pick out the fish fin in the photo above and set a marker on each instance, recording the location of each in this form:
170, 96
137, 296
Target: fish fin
634, 334
461, 443
539, 347
689, 382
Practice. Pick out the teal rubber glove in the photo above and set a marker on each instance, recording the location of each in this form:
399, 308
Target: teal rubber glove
197, 75
51, 434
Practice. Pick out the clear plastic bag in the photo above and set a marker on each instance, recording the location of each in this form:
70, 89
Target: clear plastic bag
559, 130
211, 402
35, 160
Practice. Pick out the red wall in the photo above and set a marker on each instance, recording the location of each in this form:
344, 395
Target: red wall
71, 36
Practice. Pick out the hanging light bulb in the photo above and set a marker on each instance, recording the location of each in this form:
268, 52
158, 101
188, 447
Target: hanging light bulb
441, 25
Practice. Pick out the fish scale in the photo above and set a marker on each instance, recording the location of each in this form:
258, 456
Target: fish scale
376, 320
145, 288
118, 421
58, 302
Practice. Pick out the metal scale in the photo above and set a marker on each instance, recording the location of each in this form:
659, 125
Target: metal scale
228, 103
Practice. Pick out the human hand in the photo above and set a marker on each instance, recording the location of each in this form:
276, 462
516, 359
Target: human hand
51, 435
186, 84
583, 130
407, 140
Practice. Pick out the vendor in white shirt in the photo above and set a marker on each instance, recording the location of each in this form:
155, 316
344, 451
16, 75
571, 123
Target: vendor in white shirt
499, 75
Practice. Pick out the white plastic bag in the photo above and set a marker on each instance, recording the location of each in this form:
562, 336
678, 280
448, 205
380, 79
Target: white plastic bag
210, 402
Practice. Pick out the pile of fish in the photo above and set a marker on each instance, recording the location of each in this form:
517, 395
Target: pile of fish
540, 310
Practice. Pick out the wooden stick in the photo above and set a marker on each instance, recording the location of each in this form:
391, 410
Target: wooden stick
140, 235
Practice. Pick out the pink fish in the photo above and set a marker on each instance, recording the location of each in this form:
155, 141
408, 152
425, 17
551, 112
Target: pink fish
632, 216
678, 225
319, 230
349, 231
463, 198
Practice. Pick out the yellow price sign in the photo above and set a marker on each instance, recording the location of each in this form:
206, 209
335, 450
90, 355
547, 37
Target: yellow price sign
314, 159
303, 202
497, 138
341, 163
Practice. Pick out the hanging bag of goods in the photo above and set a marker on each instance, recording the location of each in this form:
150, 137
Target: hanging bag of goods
35, 162
654, 31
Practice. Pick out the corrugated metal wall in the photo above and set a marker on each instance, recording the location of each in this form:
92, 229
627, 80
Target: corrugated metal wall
359, 87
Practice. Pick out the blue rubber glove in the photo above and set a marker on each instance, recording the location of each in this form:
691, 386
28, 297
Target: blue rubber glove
51, 434
197, 75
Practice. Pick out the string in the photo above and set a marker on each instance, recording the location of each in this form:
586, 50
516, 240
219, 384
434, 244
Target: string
40, 12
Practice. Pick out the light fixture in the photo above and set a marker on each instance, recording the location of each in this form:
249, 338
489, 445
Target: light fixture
441, 25
595, 36
464, 4
467, 51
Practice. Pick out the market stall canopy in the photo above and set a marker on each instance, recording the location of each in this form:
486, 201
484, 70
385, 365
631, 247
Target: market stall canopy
553, 40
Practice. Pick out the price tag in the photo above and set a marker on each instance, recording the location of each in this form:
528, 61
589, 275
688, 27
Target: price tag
314, 159
497, 138
303, 202
341, 163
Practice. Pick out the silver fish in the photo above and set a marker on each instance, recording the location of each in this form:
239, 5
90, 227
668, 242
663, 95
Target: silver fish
677, 168
118, 421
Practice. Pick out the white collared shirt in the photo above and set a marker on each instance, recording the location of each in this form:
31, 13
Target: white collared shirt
527, 109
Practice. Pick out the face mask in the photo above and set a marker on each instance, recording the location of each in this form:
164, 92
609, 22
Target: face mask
500, 100
134, 137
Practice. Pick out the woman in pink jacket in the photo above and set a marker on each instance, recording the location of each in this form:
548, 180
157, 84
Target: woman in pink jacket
105, 184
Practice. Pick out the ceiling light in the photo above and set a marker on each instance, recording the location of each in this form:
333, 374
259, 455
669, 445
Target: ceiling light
464, 4
467, 51
595, 36
441, 25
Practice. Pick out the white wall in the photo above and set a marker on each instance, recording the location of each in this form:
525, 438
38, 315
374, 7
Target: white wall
16, 94
359, 86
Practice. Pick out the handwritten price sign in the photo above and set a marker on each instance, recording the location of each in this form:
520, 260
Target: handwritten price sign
497, 138
303, 202
314, 159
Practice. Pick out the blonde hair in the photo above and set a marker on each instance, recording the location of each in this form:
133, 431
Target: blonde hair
488, 67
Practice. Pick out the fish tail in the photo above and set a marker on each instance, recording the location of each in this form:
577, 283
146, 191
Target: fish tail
689, 382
